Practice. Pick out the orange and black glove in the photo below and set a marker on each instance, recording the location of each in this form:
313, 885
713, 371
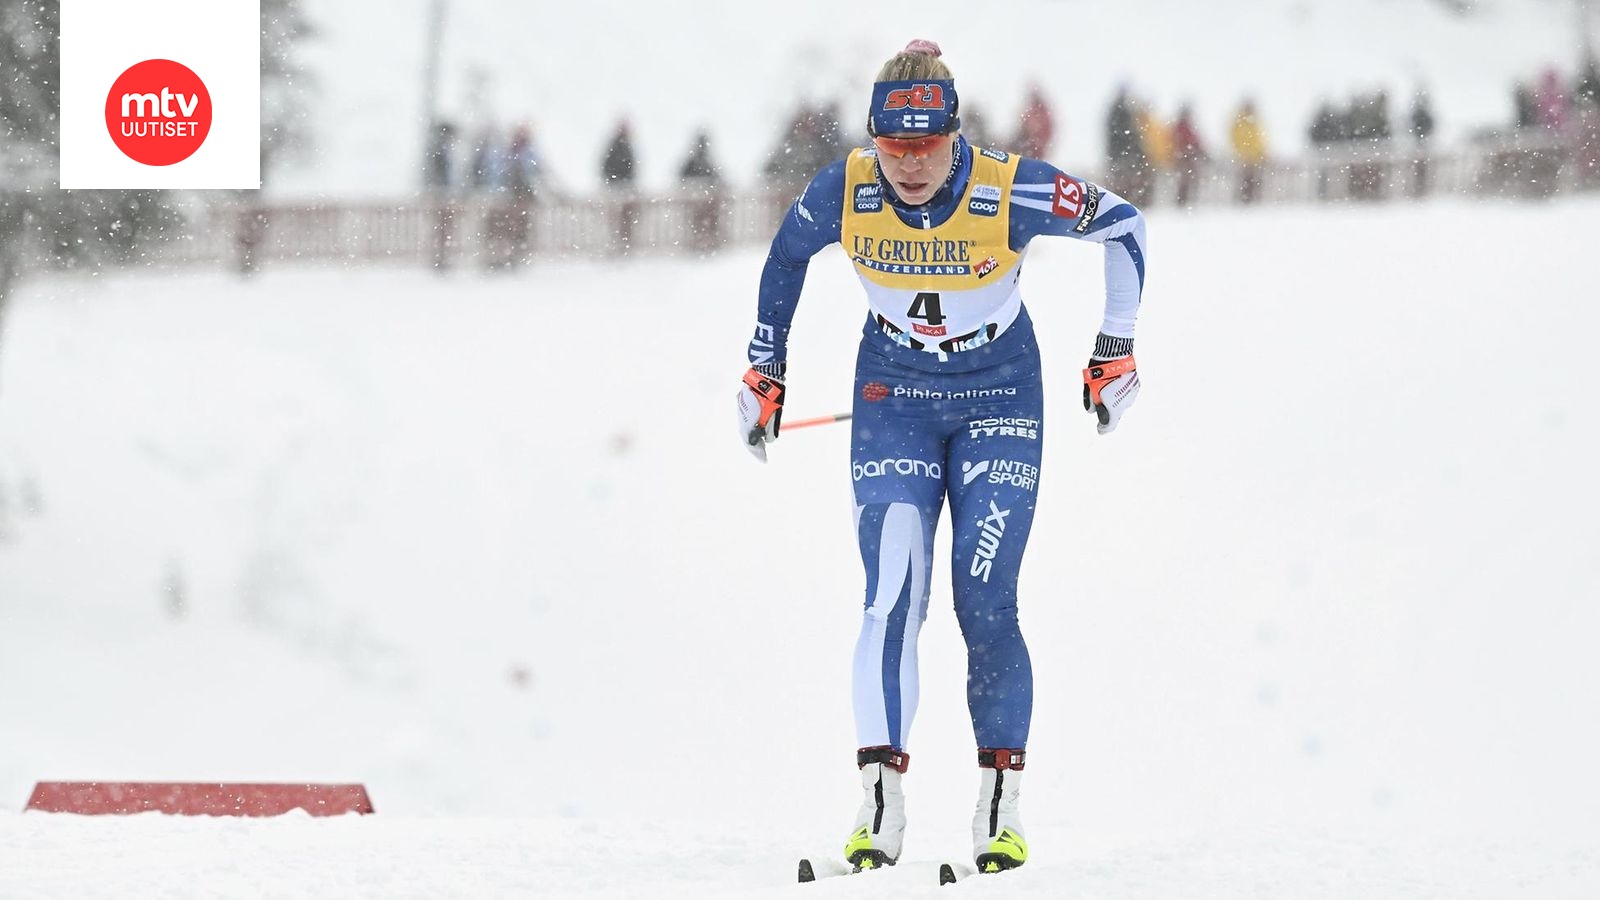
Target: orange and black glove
761, 408
1109, 387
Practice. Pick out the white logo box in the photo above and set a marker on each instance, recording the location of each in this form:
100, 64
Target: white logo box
218, 39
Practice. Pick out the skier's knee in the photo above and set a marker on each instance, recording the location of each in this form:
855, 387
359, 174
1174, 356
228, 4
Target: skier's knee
981, 622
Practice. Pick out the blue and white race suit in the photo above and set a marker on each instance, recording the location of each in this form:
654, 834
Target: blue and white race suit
948, 402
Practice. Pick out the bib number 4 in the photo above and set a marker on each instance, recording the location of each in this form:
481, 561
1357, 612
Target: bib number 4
925, 306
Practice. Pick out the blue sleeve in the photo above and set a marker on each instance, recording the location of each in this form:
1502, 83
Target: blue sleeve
814, 221
1046, 200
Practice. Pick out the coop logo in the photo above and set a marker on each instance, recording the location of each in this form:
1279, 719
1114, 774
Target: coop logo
158, 112
869, 198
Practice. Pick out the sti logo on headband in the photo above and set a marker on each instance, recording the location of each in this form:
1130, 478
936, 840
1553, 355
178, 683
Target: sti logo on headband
918, 107
918, 96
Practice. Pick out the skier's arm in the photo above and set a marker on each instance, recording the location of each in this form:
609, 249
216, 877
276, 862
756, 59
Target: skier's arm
1046, 200
812, 223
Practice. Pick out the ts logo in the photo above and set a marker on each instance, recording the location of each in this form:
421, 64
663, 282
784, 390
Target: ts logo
918, 96
1069, 197
158, 112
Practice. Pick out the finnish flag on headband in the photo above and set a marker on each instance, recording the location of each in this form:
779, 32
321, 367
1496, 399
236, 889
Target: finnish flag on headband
927, 106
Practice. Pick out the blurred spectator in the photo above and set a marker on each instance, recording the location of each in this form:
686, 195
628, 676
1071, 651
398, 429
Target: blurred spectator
616, 170
439, 177
1329, 130
701, 181
1370, 134
1156, 138
438, 172
831, 140
1190, 154
1588, 87
1526, 107
1421, 129
512, 214
483, 162
811, 142
1586, 126
1250, 148
975, 126
1586, 142
1130, 173
522, 164
1036, 127
1551, 102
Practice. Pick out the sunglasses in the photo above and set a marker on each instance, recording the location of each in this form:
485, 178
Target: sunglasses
923, 147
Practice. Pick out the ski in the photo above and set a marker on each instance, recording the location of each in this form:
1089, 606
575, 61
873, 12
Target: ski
949, 873
823, 868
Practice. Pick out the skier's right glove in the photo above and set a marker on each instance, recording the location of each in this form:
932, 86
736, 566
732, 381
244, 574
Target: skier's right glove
760, 411
1109, 387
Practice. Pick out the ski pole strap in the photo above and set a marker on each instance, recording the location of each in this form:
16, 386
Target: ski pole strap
1002, 759
898, 760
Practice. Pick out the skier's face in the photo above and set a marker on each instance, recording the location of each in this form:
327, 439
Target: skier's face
916, 165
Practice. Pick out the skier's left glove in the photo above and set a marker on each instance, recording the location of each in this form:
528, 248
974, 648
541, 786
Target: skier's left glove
1109, 387
760, 410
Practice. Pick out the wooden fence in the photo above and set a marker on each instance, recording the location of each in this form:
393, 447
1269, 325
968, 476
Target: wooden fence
494, 230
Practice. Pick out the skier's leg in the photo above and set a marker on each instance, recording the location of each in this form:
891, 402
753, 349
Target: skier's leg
897, 470
993, 488
896, 539
897, 461
994, 485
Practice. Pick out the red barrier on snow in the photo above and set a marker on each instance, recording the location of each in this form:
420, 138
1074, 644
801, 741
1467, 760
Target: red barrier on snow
93, 798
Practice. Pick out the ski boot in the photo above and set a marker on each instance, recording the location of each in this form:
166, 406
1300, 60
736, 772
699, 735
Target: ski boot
997, 839
881, 822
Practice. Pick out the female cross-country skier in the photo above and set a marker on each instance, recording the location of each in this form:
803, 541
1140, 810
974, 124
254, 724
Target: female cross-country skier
948, 402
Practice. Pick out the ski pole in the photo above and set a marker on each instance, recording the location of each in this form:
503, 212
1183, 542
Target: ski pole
819, 420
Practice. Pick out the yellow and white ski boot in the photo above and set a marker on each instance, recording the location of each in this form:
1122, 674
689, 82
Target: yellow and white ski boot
881, 822
997, 839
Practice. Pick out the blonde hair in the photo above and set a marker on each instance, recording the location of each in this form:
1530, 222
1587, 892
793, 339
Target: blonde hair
919, 60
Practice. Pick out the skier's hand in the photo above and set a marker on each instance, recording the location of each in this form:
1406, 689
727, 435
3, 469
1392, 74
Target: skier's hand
760, 411
1109, 387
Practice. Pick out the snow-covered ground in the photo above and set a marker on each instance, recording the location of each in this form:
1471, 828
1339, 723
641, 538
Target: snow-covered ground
739, 69
1316, 621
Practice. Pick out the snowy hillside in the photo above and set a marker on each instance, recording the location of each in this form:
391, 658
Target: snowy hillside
739, 69
1317, 621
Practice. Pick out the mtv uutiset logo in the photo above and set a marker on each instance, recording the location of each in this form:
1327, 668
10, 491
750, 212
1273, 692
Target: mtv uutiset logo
160, 94
158, 112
